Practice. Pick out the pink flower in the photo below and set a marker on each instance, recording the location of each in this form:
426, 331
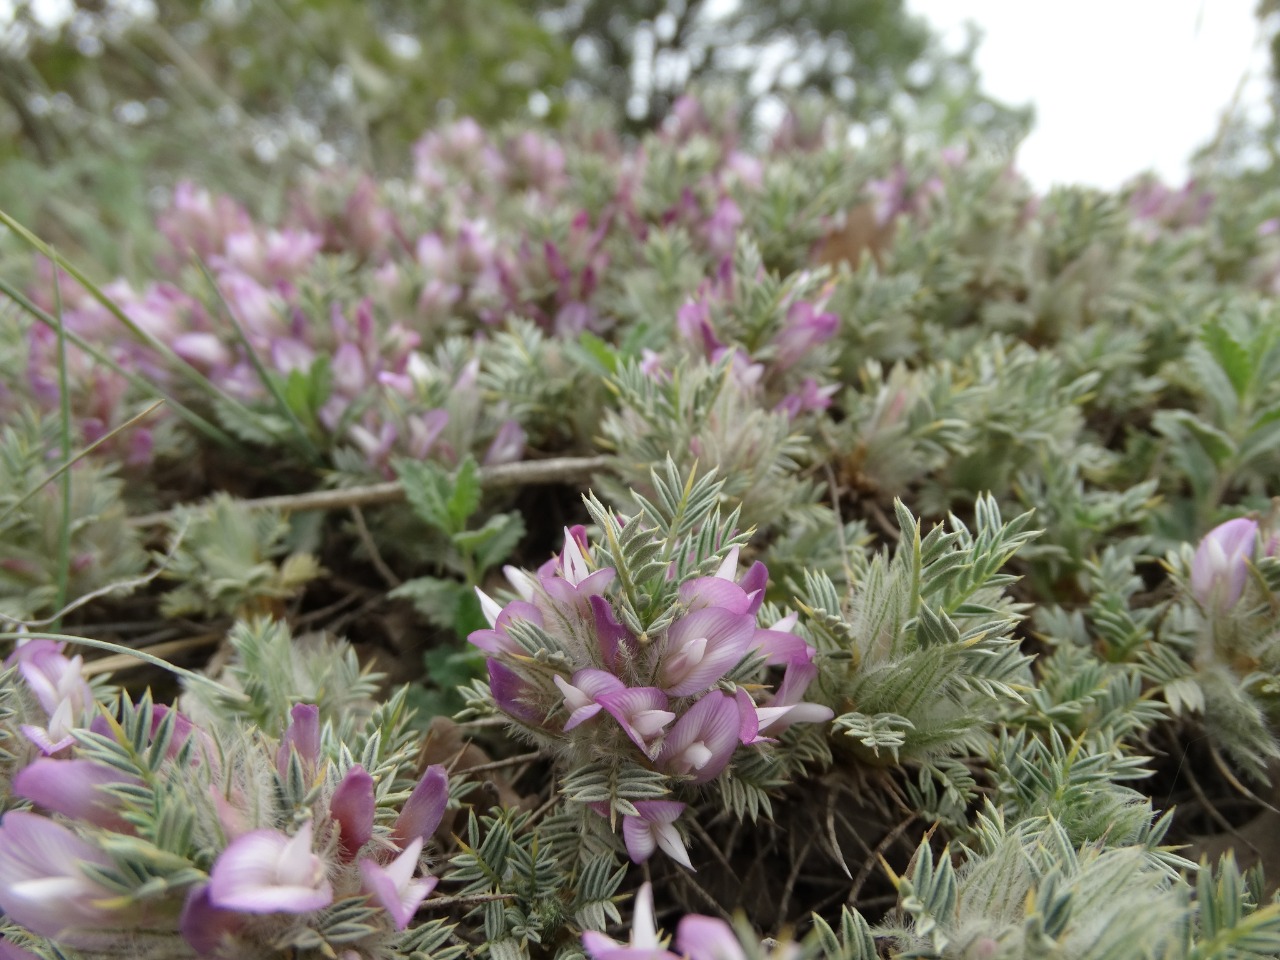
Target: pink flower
805, 329
707, 938
721, 229
499, 640
702, 741
700, 647
610, 634
644, 943
512, 693
581, 697
641, 712
352, 806
302, 736
1220, 567
507, 446
779, 645
11, 951
393, 886
655, 829
786, 707
425, 808
73, 789
59, 685
206, 928
43, 885
265, 871
575, 583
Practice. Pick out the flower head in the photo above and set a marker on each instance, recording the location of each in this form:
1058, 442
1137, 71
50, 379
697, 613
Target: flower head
352, 806
265, 871
303, 735
393, 886
655, 829
702, 742
425, 808
700, 648
42, 882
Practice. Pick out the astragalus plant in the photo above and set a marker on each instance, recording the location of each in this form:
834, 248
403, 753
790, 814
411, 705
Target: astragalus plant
791, 549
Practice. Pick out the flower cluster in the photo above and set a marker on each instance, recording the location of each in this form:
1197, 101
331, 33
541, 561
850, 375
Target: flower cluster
563, 666
112, 789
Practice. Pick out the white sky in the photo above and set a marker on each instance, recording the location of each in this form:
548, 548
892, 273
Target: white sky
1119, 86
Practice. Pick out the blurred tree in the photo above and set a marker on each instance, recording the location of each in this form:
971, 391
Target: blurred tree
1246, 147
870, 56
118, 96
115, 98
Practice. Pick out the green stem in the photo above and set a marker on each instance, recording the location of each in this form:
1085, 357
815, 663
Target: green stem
64, 415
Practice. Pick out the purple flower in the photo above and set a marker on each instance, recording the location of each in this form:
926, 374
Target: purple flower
702, 741
393, 886
655, 829
303, 736
575, 583
610, 634
700, 648
511, 692
1221, 563
202, 350
498, 640
641, 712
352, 806
581, 697
703, 592
72, 788
644, 943
721, 229
206, 927
805, 329
810, 396
424, 809
507, 446
182, 731
787, 707
42, 884
425, 430
59, 685
350, 375
11, 951
779, 645
707, 938
265, 871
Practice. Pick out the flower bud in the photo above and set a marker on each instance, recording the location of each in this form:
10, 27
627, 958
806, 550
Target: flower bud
1220, 566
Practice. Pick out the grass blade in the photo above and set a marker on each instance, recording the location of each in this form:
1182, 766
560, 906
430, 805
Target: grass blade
189, 675
67, 464
64, 430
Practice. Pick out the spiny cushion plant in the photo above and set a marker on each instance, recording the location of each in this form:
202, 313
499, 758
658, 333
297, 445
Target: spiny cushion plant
848, 537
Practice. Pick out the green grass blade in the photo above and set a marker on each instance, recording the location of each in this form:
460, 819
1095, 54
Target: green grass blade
64, 430
155, 661
67, 464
